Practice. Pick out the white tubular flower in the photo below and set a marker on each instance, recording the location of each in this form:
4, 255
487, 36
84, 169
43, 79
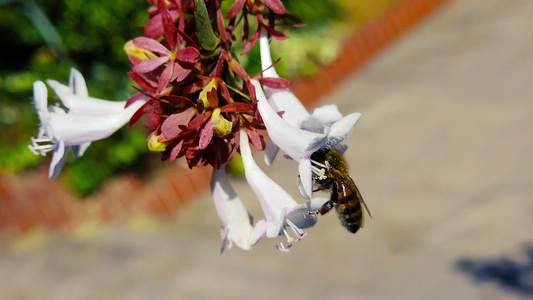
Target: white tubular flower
236, 222
280, 99
76, 98
300, 144
326, 124
59, 130
280, 209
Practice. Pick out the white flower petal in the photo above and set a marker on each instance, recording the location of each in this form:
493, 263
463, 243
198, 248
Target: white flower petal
83, 104
79, 150
59, 89
77, 84
274, 200
301, 217
321, 119
294, 142
236, 223
58, 160
341, 129
52, 109
40, 98
79, 129
59, 130
271, 150
327, 114
281, 100
284, 100
258, 232
313, 125
305, 179
266, 59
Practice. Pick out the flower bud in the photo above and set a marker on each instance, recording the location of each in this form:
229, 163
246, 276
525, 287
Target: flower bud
221, 126
141, 54
155, 145
212, 84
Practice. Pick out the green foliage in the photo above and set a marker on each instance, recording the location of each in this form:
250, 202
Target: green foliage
308, 47
43, 39
92, 35
327, 24
236, 166
315, 13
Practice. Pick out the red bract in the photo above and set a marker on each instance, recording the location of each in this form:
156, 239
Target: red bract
275, 83
180, 62
238, 5
149, 89
155, 27
276, 6
274, 33
199, 97
256, 8
176, 124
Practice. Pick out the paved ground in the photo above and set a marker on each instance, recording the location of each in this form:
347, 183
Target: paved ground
442, 155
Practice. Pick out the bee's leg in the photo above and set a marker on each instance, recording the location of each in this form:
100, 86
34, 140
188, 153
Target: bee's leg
325, 208
322, 210
313, 212
334, 199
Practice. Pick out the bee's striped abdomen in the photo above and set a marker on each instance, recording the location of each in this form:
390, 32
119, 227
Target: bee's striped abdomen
349, 210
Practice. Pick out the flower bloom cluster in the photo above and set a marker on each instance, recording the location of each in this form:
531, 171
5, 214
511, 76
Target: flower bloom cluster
200, 104
200, 97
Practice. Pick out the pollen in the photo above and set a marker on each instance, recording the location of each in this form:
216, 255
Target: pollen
221, 126
172, 55
212, 84
155, 145
322, 174
132, 50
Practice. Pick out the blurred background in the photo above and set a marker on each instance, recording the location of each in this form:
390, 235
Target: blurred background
442, 156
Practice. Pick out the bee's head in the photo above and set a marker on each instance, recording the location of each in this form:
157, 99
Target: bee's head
320, 154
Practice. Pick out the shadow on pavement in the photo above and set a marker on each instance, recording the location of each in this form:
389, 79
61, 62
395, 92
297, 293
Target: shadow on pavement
508, 273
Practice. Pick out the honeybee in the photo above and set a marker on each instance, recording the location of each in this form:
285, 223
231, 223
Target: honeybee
331, 174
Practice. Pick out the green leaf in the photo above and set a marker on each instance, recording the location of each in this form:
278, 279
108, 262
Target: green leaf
206, 36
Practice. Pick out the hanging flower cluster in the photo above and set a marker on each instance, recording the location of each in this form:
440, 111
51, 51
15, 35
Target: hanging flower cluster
200, 96
82, 120
200, 104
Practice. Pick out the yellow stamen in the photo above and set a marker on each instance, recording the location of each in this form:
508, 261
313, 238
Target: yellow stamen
221, 126
212, 84
155, 145
141, 54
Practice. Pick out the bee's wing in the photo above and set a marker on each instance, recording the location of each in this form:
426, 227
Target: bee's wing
346, 179
361, 199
